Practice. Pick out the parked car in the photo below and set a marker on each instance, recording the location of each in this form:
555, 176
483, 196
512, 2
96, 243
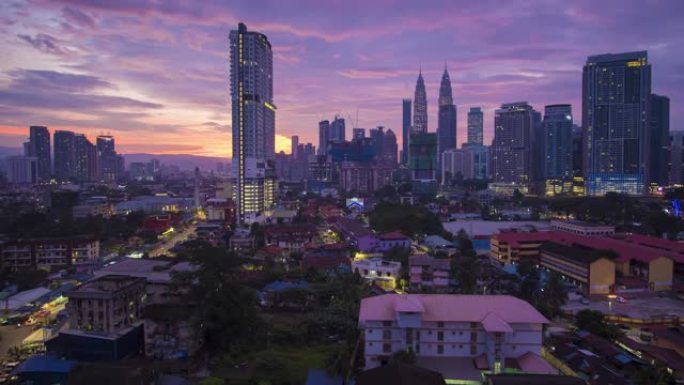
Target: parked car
584, 301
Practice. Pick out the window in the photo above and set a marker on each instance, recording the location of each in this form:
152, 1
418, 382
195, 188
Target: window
440, 336
386, 348
386, 334
440, 349
473, 349
386, 323
440, 324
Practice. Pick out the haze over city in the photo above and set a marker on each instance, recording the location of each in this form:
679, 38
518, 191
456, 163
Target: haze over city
155, 74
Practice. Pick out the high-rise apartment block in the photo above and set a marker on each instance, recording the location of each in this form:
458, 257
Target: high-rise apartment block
616, 93
253, 114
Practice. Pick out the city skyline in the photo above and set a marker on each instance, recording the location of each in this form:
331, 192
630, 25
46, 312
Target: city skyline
149, 85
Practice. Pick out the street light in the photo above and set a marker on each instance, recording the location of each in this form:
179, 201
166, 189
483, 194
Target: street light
611, 297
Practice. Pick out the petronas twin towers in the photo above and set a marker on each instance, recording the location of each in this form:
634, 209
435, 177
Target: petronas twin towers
446, 127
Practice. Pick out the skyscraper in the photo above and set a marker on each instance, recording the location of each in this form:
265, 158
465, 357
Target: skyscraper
511, 151
446, 128
660, 137
616, 91
475, 126
359, 133
253, 113
405, 129
106, 158
389, 148
676, 157
40, 149
423, 163
294, 144
557, 142
420, 117
65, 155
337, 130
86, 159
323, 136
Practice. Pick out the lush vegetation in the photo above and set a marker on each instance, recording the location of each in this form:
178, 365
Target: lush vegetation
594, 322
278, 344
410, 220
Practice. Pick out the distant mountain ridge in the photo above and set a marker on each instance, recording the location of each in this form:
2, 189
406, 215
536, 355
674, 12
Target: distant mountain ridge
183, 161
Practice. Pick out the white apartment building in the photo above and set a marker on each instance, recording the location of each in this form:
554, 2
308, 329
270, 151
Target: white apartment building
583, 228
480, 330
384, 273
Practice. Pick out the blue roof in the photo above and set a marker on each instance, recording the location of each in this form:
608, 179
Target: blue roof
622, 358
321, 377
45, 364
284, 285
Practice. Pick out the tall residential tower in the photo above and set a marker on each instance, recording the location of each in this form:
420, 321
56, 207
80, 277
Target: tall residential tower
475, 126
616, 91
253, 113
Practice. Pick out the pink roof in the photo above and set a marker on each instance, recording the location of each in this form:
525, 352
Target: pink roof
493, 323
533, 363
450, 307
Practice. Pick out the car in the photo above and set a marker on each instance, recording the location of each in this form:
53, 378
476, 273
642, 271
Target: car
584, 301
621, 299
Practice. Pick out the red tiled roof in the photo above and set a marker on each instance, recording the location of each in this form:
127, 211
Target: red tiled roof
626, 250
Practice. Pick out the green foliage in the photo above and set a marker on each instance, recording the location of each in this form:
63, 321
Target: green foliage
212, 381
25, 279
410, 220
594, 322
466, 269
227, 317
403, 357
654, 375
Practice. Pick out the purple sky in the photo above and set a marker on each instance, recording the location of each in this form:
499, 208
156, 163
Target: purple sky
154, 73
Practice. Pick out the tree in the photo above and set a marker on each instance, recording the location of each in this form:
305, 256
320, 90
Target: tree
594, 322
654, 375
554, 295
403, 357
227, 316
466, 269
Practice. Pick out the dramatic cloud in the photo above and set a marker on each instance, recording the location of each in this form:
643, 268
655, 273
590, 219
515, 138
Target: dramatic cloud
155, 73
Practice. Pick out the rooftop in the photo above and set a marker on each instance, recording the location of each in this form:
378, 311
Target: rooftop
631, 247
574, 253
451, 307
108, 284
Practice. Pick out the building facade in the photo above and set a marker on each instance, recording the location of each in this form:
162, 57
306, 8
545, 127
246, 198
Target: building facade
253, 113
22, 169
475, 126
511, 151
106, 158
446, 126
337, 130
660, 136
48, 252
405, 129
428, 272
107, 304
323, 136
65, 155
496, 327
616, 93
420, 115
39, 147
557, 138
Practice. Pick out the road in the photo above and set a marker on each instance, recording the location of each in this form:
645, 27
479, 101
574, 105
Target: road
167, 244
